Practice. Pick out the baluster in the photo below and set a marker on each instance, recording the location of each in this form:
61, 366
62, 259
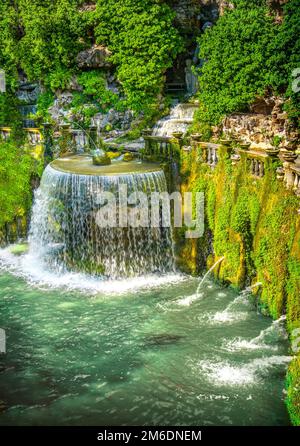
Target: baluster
262, 169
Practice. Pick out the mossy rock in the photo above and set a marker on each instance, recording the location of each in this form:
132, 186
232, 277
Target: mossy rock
101, 160
19, 249
128, 157
113, 155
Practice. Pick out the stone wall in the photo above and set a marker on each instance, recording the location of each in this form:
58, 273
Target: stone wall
266, 122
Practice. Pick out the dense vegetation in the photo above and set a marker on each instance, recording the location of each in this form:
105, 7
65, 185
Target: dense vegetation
248, 54
17, 165
42, 40
254, 224
143, 43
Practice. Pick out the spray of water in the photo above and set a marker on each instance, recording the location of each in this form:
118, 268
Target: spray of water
188, 300
253, 372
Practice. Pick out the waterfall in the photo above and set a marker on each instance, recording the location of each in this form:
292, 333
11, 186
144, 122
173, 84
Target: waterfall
65, 236
180, 118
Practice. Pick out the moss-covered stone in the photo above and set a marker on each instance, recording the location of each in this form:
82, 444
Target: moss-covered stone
101, 159
113, 155
19, 249
128, 157
254, 223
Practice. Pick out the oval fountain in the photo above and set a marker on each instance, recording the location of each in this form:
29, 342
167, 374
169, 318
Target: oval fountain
67, 229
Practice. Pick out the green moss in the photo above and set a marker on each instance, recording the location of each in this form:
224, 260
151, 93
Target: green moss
128, 157
101, 159
254, 223
17, 166
19, 249
113, 155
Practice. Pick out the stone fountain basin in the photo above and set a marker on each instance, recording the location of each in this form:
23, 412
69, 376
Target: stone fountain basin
83, 165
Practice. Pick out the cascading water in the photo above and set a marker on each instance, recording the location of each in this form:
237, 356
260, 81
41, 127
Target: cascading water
180, 118
65, 235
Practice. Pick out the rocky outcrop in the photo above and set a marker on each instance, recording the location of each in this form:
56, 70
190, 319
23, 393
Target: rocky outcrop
88, 6
95, 57
267, 120
113, 119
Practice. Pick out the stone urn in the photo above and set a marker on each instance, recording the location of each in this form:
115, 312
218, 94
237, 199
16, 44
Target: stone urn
196, 137
177, 135
146, 132
244, 145
288, 156
272, 151
226, 142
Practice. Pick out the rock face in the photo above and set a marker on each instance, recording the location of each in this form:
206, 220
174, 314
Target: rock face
191, 12
58, 110
113, 119
95, 57
263, 106
267, 121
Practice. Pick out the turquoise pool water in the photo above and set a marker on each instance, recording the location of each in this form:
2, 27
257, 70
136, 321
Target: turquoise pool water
154, 355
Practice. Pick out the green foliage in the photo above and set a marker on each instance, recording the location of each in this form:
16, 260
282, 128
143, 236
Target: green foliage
16, 168
95, 89
143, 43
9, 113
8, 38
43, 38
288, 47
52, 34
247, 54
293, 391
276, 141
45, 100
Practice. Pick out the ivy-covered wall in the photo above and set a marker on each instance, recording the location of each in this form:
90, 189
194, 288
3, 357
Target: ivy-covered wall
254, 223
19, 169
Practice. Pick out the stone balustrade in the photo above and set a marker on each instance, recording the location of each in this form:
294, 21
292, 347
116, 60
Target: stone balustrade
257, 157
256, 161
292, 177
209, 153
160, 147
5, 133
34, 135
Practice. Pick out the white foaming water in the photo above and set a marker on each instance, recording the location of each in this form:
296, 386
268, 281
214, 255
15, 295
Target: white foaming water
230, 315
66, 236
276, 330
180, 118
188, 300
226, 373
30, 268
242, 344
267, 339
